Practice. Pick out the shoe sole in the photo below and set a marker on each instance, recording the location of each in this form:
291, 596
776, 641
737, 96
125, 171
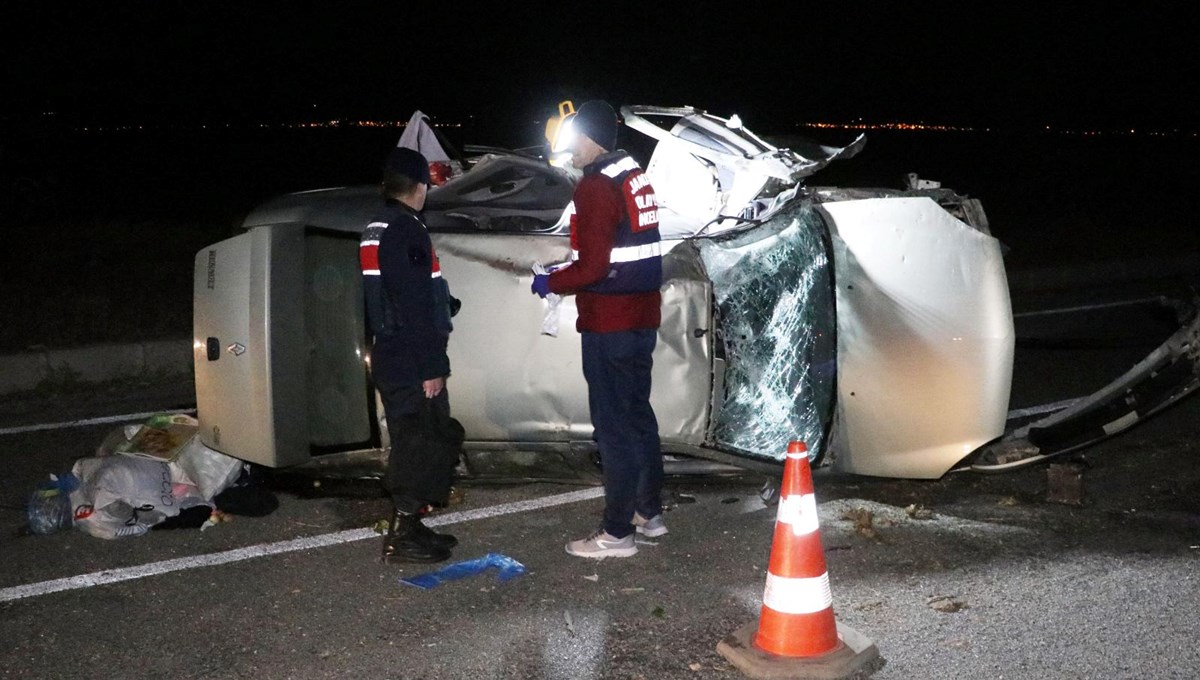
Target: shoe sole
601, 554
652, 533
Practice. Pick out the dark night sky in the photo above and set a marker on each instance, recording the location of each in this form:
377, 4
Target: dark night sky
950, 63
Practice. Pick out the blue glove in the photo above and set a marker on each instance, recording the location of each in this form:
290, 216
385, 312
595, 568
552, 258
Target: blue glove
541, 285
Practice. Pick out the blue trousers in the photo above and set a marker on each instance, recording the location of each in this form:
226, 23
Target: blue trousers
617, 368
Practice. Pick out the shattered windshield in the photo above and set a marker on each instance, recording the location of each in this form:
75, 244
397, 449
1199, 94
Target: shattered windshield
775, 299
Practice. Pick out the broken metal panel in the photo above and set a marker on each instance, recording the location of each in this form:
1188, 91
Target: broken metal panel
520, 385
707, 168
777, 324
1165, 376
925, 337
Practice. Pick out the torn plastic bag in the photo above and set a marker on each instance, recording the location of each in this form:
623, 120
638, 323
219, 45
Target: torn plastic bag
49, 507
125, 496
507, 569
210, 471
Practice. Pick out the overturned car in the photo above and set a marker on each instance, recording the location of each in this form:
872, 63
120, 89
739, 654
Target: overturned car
875, 325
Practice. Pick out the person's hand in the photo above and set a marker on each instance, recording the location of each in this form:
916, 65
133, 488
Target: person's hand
541, 285
433, 387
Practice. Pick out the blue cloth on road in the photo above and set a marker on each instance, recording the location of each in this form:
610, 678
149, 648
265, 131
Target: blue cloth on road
507, 567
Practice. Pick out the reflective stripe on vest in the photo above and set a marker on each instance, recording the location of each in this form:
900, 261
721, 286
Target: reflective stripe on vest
368, 256
630, 253
626, 164
635, 259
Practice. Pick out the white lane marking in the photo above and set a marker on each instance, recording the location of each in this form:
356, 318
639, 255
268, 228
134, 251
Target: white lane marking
1044, 408
127, 418
100, 578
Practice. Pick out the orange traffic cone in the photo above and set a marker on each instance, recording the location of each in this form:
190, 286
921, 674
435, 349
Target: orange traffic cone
797, 612
797, 635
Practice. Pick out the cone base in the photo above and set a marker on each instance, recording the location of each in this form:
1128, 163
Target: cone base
856, 657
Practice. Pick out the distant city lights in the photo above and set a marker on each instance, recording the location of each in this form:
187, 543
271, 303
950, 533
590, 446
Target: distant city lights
322, 124
1132, 132
822, 125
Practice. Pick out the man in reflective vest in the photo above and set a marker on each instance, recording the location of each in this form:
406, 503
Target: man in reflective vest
408, 312
616, 275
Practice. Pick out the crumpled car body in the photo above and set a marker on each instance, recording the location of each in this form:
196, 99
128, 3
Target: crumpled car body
874, 325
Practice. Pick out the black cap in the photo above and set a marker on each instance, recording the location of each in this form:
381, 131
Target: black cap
597, 120
411, 164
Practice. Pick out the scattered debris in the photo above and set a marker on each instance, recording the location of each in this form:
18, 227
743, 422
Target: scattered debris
864, 521
658, 612
958, 644
947, 604
695, 666
594, 578
507, 567
570, 623
1008, 502
919, 512
769, 493
632, 590
642, 541
216, 517
380, 526
1064, 483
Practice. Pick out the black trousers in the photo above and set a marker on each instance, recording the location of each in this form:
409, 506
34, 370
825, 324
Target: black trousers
420, 468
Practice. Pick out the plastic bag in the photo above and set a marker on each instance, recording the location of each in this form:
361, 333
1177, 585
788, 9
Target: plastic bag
191, 461
211, 471
553, 300
507, 567
125, 495
49, 507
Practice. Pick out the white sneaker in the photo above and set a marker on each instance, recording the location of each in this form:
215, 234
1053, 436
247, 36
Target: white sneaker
601, 544
649, 527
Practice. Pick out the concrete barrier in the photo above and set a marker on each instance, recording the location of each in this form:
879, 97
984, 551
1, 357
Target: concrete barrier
93, 364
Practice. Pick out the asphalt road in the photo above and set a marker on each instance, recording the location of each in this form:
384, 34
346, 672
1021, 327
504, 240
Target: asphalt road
1038, 589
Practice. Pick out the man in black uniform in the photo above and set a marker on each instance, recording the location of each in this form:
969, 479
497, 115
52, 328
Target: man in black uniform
408, 310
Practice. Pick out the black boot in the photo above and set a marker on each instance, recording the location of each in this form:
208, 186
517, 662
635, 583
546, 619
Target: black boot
433, 538
404, 543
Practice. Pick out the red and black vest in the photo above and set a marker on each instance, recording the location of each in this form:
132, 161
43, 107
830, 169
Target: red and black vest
635, 264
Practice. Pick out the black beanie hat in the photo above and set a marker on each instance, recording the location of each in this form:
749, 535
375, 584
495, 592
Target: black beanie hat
411, 164
597, 120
